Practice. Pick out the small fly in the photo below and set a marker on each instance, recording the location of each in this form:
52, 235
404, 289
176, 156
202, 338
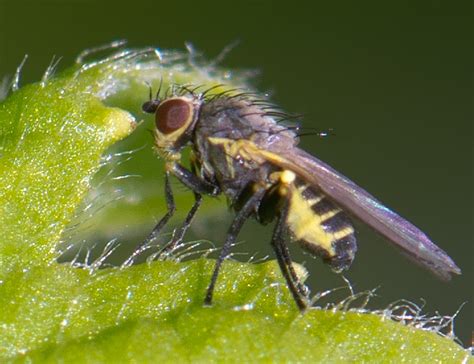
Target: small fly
240, 149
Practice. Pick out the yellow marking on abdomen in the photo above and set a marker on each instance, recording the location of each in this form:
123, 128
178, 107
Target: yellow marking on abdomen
329, 214
305, 224
313, 201
343, 233
302, 188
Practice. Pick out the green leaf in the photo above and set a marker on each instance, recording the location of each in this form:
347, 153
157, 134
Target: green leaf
53, 137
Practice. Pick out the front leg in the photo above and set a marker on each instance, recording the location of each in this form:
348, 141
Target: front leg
192, 181
199, 187
179, 234
164, 220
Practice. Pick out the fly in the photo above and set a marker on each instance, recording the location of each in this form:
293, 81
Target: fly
239, 149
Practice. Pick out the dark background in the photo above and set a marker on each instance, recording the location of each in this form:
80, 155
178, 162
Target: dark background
393, 80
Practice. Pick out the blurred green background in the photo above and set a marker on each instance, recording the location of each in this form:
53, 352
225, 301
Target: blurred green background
394, 81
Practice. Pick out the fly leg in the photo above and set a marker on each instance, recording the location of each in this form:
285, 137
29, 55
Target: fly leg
199, 187
302, 289
192, 181
232, 233
179, 234
164, 220
297, 289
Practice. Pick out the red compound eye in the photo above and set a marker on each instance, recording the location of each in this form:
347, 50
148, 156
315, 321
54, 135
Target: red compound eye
172, 115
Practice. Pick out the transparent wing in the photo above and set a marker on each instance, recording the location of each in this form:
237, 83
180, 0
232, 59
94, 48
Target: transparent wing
364, 206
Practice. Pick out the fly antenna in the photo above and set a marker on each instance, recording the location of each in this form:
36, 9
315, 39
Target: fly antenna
150, 90
159, 88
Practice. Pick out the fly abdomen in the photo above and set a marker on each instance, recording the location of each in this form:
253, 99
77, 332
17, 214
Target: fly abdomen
319, 226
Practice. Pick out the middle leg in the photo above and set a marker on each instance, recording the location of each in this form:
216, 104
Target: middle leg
232, 233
